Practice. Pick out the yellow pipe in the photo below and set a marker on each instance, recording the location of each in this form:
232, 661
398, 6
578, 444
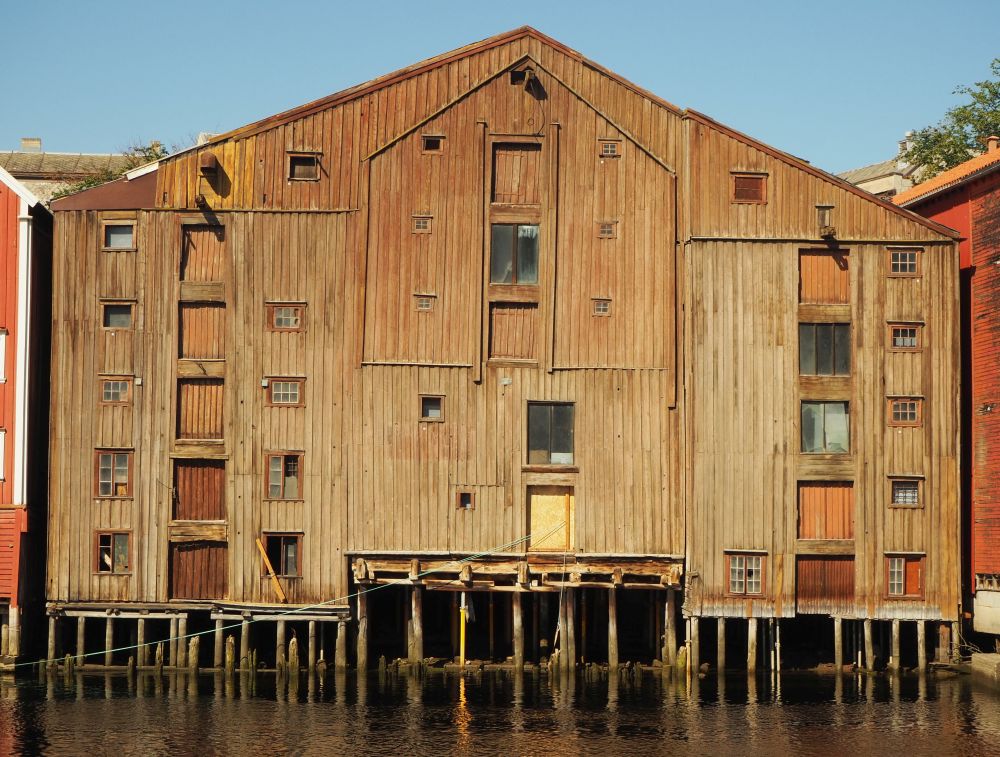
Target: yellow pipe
461, 635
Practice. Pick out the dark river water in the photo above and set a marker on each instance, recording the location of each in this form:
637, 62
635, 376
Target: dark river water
496, 713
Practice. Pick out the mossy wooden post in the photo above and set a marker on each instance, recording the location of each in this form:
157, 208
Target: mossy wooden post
230, 653
245, 644
109, 640
81, 644
280, 660
340, 651
921, 646
613, 629
518, 630
311, 652
752, 646
217, 651
720, 636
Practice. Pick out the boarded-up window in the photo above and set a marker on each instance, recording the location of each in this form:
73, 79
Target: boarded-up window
200, 490
904, 575
826, 510
749, 187
198, 570
824, 278
550, 518
516, 174
824, 584
513, 330
202, 330
203, 254
199, 409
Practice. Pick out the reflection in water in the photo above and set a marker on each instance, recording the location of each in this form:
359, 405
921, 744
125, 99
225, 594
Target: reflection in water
497, 713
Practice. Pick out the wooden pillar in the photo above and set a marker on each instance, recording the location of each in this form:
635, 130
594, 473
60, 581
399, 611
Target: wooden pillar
81, 636
670, 634
109, 640
921, 646
752, 645
311, 653
245, 644
340, 650
838, 644
217, 652
695, 644
14, 632
571, 628
417, 624
720, 634
944, 642
182, 630
51, 650
894, 664
613, 628
956, 637
140, 640
542, 609
563, 652
869, 646
280, 653
362, 650
518, 628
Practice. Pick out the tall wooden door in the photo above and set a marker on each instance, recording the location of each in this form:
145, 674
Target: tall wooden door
199, 490
550, 518
198, 570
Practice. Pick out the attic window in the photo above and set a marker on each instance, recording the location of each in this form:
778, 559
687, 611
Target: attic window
422, 224
433, 143
609, 148
303, 166
424, 303
518, 77
749, 188
602, 306
607, 229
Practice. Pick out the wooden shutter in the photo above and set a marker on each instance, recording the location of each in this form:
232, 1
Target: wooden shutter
824, 278
9, 534
548, 507
198, 570
200, 490
914, 577
826, 510
202, 331
517, 174
199, 409
203, 254
513, 330
824, 584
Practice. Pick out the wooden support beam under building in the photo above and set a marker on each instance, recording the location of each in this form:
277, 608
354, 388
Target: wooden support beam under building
416, 651
245, 644
869, 646
894, 661
695, 625
140, 640
921, 646
613, 628
752, 645
172, 642
81, 636
838, 644
182, 629
50, 654
518, 628
340, 648
280, 648
670, 635
571, 628
109, 640
311, 653
362, 646
218, 647
720, 636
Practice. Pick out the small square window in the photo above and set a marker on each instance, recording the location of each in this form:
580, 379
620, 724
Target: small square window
609, 148
466, 501
431, 408
116, 391
905, 492
602, 306
285, 317
119, 236
283, 476
285, 391
116, 315
113, 553
114, 473
422, 224
904, 337
303, 166
749, 188
432, 143
905, 411
424, 302
607, 229
904, 262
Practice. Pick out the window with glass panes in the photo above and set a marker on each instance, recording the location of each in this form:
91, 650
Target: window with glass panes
825, 427
115, 390
746, 573
285, 392
904, 336
514, 254
904, 262
905, 411
283, 552
114, 474
283, 476
550, 433
824, 349
112, 553
904, 575
906, 492
286, 317
119, 236
116, 316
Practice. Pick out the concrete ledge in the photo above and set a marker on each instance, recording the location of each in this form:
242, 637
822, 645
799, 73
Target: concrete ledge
986, 667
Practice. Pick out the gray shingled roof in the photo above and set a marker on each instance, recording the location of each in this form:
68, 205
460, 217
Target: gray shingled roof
59, 165
874, 171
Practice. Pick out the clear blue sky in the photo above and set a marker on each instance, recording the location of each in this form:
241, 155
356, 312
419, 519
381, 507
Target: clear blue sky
837, 83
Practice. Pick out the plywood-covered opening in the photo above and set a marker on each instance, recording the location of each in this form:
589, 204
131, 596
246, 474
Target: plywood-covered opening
198, 570
199, 490
203, 254
513, 331
199, 409
202, 331
824, 277
550, 517
826, 510
517, 173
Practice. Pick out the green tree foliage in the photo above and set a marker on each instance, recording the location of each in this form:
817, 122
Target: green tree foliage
962, 132
135, 155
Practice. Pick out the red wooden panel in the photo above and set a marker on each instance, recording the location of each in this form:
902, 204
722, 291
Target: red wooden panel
200, 490
9, 206
9, 532
513, 329
203, 256
199, 409
824, 277
914, 577
824, 584
198, 570
826, 510
516, 174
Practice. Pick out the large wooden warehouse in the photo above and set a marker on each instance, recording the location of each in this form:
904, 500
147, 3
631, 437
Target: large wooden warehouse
502, 304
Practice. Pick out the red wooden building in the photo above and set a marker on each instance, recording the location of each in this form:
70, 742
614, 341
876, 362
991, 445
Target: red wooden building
967, 198
25, 261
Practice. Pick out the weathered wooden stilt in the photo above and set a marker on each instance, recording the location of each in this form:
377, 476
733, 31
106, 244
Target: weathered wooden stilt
956, 636
140, 639
869, 646
894, 663
340, 644
217, 651
311, 654
81, 636
943, 642
563, 653
571, 628
752, 645
777, 644
50, 654
280, 650
362, 650
613, 629
193, 647
182, 630
921, 646
517, 621
720, 634
14, 632
293, 655
838, 644
695, 644
245, 644
4, 639
671, 628
230, 662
